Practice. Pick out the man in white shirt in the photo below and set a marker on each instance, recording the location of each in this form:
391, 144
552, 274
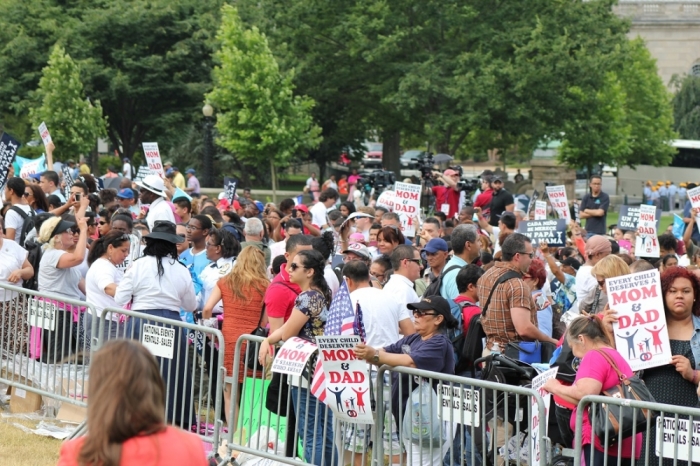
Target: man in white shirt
126, 168
153, 192
14, 222
406, 264
319, 212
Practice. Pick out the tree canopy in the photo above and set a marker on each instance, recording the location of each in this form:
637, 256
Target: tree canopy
686, 107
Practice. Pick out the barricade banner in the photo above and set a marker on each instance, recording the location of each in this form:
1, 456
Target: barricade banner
537, 384
540, 210
407, 205
557, 197
292, 357
150, 150
629, 218
551, 231
675, 436
459, 404
647, 244
347, 379
160, 341
641, 335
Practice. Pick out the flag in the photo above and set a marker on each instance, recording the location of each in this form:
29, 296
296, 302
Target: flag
358, 326
341, 321
678, 226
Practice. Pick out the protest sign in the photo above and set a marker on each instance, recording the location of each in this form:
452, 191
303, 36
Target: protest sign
557, 197
647, 243
31, 167
67, 179
540, 210
386, 199
537, 384
671, 432
291, 358
347, 378
44, 133
577, 213
641, 336
460, 405
8, 149
551, 231
629, 218
150, 150
160, 341
694, 196
407, 205
230, 188
535, 197
142, 173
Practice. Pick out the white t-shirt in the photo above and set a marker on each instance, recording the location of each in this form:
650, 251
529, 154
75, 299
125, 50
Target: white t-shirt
134, 253
15, 220
401, 288
159, 210
126, 170
13, 256
585, 282
102, 273
381, 314
58, 281
331, 279
319, 213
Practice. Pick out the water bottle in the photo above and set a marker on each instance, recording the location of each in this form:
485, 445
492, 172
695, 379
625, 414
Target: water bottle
495, 349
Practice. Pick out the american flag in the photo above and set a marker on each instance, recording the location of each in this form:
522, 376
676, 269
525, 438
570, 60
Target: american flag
341, 321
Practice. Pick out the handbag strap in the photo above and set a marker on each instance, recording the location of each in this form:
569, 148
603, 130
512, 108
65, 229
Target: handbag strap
612, 363
262, 313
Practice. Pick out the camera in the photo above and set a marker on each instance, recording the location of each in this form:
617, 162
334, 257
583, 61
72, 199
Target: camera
425, 165
375, 182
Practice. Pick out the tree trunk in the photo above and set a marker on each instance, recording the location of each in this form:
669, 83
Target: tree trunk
273, 171
392, 152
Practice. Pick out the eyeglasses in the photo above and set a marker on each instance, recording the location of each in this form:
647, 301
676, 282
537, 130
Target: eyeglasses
421, 313
192, 227
531, 254
207, 244
26, 194
295, 266
416, 261
525, 277
378, 275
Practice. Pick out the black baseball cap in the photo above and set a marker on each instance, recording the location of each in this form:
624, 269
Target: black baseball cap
433, 303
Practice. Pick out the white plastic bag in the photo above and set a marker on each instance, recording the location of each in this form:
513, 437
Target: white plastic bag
264, 439
421, 425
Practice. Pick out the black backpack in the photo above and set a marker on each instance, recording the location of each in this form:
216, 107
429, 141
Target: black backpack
473, 343
34, 252
27, 222
456, 335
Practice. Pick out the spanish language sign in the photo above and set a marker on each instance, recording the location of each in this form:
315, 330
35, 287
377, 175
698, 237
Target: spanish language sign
291, 358
629, 218
347, 378
142, 173
459, 404
160, 341
551, 231
671, 432
647, 244
407, 205
44, 133
540, 210
8, 149
150, 150
537, 384
557, 197
641, 336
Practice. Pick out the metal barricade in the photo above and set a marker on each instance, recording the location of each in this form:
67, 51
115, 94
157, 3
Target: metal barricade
474, 418
188, 406
46, 343
671, 434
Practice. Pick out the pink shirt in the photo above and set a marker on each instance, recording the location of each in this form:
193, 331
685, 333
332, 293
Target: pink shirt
595, 366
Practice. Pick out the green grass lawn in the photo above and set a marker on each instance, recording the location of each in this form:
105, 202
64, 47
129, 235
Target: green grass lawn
666, 220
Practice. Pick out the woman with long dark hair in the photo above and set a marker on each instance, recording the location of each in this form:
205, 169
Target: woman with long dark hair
125, 415
307, 321
36, 198
159, 285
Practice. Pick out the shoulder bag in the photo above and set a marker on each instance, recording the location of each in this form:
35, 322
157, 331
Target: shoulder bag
252, 353
614, 422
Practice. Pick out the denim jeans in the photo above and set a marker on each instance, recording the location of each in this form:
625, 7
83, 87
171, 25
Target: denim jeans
315, 428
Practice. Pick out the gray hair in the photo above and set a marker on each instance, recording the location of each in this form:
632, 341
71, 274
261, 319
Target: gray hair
253, 227
512, 245
461, 234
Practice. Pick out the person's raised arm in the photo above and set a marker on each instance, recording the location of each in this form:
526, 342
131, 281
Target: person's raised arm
483, 223
49, 155
72, 259
83, 205
688, 233
556, 271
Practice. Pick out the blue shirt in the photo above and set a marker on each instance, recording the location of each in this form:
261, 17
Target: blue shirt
449, 281
195, 263
686, 214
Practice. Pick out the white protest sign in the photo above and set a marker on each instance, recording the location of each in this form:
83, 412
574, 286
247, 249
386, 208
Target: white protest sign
32, 167
386, 199
671, 432
647, 244
291, 358
557, 197
347, 378
142, 173
407, 205
42, 314
641, 335
160, 341
459, 404
694, 197
150, 150
537, 384
540, 210
44, 133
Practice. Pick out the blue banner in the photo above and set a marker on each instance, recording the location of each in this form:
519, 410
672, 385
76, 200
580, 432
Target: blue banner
678, 226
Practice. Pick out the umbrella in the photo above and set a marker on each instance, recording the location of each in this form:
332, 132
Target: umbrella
442, 158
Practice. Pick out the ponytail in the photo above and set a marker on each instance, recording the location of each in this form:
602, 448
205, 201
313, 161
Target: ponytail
314, 260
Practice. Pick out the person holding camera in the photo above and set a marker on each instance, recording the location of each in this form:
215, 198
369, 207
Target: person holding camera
447, 196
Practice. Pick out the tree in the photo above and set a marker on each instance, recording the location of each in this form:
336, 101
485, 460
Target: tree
686, 106
259, 119
74, 122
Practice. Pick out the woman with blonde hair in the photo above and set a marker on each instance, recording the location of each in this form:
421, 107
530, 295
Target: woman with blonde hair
242, 293
59, 274
608, 267
125, 415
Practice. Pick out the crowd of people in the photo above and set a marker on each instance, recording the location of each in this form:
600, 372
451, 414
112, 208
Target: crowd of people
173, 253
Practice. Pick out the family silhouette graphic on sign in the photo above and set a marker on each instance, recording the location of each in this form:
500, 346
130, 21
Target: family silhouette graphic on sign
643, 355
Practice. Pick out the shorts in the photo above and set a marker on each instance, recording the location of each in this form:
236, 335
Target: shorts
357, 437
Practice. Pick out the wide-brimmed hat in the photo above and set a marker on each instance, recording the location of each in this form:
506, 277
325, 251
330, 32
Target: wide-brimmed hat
153, 183
165, 230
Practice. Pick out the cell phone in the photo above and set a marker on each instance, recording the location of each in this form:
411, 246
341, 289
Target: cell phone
294, 213
77, 197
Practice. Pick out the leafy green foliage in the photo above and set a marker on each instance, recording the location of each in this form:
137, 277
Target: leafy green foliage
258, 117
73, 121
686, 107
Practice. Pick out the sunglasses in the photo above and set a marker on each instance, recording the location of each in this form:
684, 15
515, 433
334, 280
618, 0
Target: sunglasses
531, 254
74, 230
416, 261
295, 266
26, 194
421, 313
102, 222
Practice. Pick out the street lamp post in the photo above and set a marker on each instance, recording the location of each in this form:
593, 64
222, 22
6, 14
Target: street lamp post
208, 112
